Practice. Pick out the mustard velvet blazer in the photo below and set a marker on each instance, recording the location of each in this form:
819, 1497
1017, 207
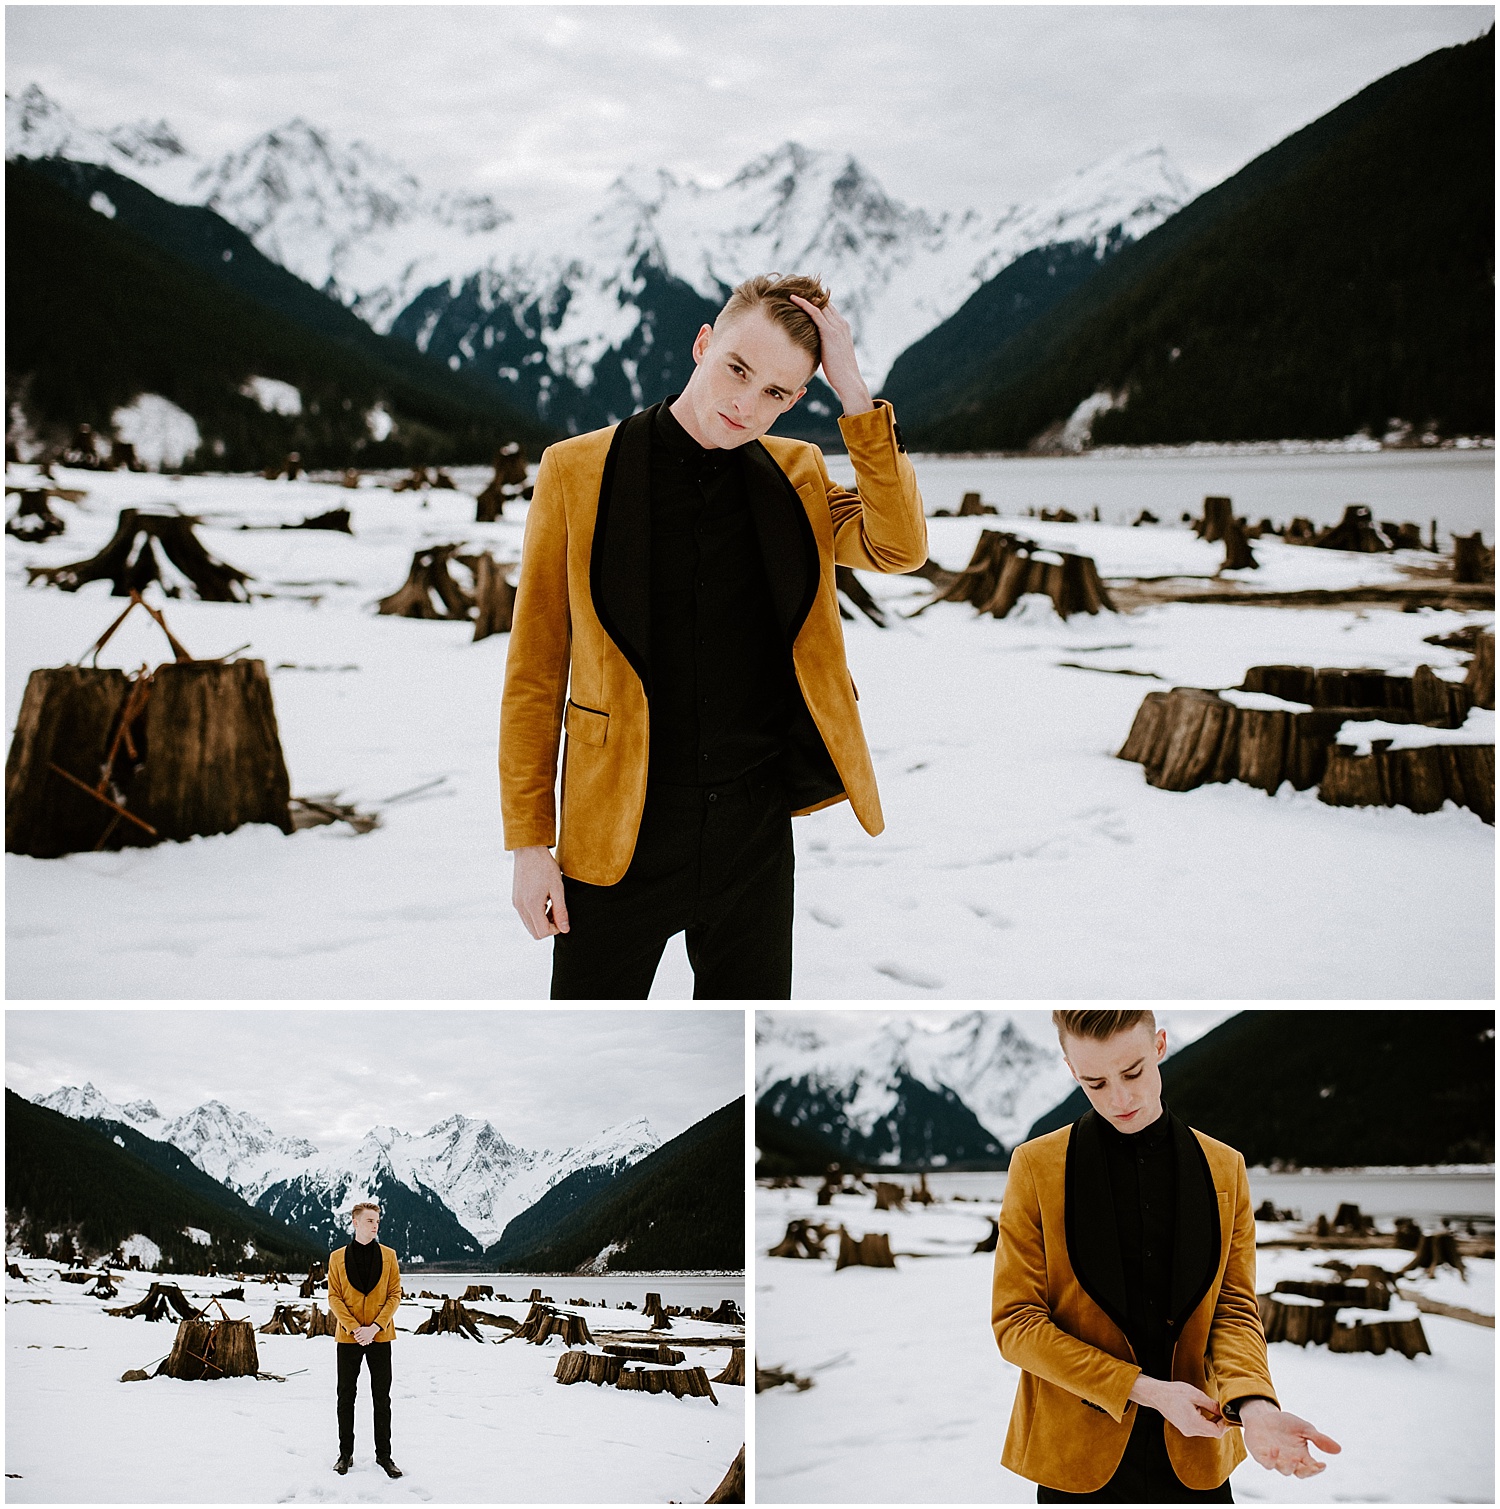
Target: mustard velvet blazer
574, 662
1059, 1301
352, 1309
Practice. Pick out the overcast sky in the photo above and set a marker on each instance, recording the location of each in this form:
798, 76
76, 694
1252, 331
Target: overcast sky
948, 106
543, 1079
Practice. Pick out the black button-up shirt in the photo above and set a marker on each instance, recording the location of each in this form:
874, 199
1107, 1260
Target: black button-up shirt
720, 670
1143, 1182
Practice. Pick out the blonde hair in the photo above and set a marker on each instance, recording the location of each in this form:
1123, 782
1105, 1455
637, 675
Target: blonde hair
364, 1205
1100, 1025
769, 293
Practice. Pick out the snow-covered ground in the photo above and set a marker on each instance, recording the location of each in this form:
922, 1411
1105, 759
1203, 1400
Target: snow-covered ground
911, 1398
1020, 859
470, 1423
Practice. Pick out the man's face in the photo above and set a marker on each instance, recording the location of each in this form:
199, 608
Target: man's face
1120, 1075
749, 372
366, 1225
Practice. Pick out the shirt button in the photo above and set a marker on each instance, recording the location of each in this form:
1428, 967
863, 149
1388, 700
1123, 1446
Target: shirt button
704, 758
713, 796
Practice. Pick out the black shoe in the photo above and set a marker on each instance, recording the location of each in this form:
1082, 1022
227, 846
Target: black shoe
344, 1463
391, 1470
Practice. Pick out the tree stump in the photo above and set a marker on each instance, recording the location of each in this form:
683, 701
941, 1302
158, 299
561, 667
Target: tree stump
1419, 779
129, 561
321, 1323
728, 1314
317, 1275
850, 585
494, 597
508, 482
731, 1489
336, 520
479, 1291
1439, 703
286, 1320
734, 1369
990, 1242
889, 1196
429, 591
543, 1322
1403, 536
1472, 562
589, 1367
1379, 1336
34, 520
636, 1353
1437, 1249
870, 1251
13, 1270
653, 1305
212, 1349
1283, 1319
682, 1383
158, 1303
802, 1240
452, 1318
1218, 518
921, 1195
1355, 531
1238, 555
1480, 681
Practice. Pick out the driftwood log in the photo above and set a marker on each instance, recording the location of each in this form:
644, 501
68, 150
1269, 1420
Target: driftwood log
734, 1369
451, 1318
100, 760
212, 1349
870, 1251
682, 1383
158, 1303
731, 1489
130, 564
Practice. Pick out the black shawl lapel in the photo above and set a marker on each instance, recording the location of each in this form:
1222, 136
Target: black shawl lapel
620, 559
1089, 1221
787, 544
1195, 1257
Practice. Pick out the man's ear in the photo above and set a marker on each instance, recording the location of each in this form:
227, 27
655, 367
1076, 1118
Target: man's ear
793, 404
700, 343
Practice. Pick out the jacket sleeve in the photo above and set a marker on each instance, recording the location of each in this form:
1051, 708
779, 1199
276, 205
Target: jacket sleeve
536, 671
1022, 1316
881, 526
393, 1291
1236, 1340
337, 1300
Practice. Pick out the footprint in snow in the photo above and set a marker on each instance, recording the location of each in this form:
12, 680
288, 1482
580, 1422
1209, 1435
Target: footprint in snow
828, 919
905, 976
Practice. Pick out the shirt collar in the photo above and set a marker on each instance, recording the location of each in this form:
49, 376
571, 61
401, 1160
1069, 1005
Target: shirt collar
1147, 1140
675, 439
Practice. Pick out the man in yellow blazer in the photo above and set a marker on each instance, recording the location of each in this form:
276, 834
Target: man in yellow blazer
364, 1291
677, 619
1125, 1292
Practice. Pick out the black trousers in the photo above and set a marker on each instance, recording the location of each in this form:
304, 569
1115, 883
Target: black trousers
1144, 1476
378, 1355
715, 862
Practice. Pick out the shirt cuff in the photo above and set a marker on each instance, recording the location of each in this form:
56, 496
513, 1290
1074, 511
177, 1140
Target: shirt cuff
1231, 1411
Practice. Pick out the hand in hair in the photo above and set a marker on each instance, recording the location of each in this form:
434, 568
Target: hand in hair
840, 365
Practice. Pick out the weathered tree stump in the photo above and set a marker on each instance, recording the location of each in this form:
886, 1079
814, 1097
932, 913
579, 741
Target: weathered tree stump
543, 1322
1472, 562
1379, 1336
734, 1369
889, 1196
1402, 536
769, 1378
992, 1241
682, 1383
802, 1240
129, 561
317, 1276
731, 1489
286, 1320
634, 1352
479, 1291
1437, 1249
1355, 531
452, 1318
727, 1314
1364, 1294
101, 761
1238, 555
34, 520
589, 1367
538, 1298
104, 1288
1419, 779
336, 520
212, 1349
158, 1303
429, 591
508, 482
1283, 1319
321, 1323
13, 1270
872, 1250
494, 597
1218, 516
653, 1305
1480, 681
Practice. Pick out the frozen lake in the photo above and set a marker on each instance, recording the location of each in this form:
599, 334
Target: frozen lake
1457, 488
1422, 1194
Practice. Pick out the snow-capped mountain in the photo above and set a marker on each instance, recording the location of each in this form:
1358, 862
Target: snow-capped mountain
861, 1070
581, 312
478, 1179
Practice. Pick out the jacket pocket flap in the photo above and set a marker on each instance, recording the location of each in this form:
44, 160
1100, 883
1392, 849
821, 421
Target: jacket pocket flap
586, 724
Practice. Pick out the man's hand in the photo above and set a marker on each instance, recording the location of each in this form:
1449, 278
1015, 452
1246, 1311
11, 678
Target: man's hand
840, 365
1188, 1409
364, 1335
1280, 1441
537, 892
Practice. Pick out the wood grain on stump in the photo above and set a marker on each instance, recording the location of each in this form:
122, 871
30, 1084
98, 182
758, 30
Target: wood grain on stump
212, 1349
731, 1489
130, 564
